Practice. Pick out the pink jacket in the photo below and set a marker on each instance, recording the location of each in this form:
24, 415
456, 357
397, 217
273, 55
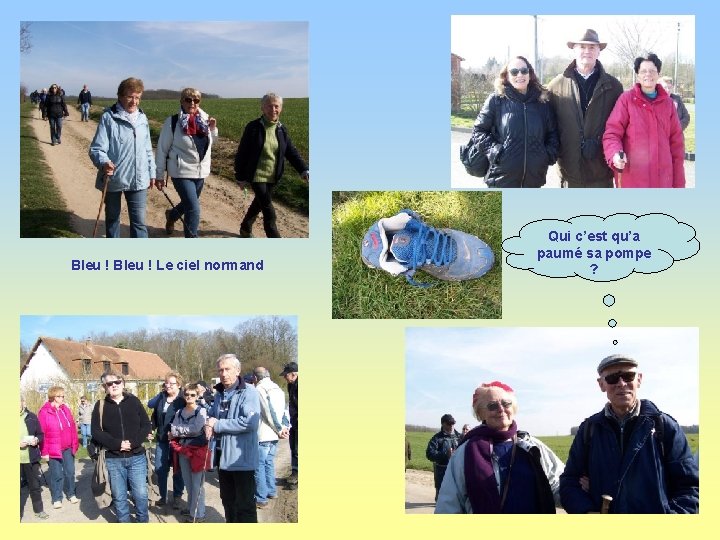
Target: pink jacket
649, 132
60, 430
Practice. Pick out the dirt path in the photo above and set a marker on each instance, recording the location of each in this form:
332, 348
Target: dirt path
281, 510
223, 203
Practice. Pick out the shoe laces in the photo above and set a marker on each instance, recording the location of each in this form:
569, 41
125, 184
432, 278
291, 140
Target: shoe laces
429, 246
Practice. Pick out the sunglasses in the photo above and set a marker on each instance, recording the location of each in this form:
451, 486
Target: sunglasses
191, 100
495, 405
112, 383
515, 71
190, 395
614, 378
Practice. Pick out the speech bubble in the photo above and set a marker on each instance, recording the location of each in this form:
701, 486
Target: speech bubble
600, 248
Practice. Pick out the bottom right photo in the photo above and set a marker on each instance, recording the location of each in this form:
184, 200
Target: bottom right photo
552, 420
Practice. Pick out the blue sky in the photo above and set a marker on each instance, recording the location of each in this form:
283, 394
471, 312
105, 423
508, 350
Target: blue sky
79, 327
231, 59
552, 370
478, 37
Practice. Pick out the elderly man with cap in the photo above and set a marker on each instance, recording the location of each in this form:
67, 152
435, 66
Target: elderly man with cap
290, 372
441, 446
583, 97
630, 454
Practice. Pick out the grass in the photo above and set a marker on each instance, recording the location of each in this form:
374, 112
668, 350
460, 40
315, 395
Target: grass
232, 115
560, 445
359, 292
466, 120
43, 213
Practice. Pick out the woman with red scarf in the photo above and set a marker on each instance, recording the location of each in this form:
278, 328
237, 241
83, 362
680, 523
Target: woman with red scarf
183, 151
498, 469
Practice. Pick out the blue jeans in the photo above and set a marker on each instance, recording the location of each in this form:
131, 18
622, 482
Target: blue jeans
136, 202
85, 432
163, 459
195, 483
55, 128
62, 476
124, 473
265, 473
85, 111
189, 190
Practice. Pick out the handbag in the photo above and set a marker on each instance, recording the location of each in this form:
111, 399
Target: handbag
473, 158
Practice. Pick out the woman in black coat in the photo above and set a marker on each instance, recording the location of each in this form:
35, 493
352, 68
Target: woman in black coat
516, 129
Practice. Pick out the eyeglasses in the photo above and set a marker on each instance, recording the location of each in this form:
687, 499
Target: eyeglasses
108, 384
495, 405
170, 383
614, 378
191, 100
515, 71
648, 72
190, 395
61, 396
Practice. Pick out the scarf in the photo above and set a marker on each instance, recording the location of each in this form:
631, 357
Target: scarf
479, 474
193, 124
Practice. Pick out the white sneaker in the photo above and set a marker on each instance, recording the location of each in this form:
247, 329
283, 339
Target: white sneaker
57, 504
74, 499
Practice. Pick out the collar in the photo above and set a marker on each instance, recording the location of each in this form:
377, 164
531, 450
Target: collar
634, 412
586, 77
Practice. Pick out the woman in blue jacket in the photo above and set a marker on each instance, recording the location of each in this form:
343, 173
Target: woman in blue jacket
122, 152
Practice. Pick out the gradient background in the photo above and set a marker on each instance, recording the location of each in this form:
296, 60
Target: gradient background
379, 88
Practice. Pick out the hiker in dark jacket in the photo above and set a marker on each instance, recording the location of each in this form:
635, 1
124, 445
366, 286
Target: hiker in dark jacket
54, 109
516, 129
125, 426
31, 435
630, 451
260, 162
441, 447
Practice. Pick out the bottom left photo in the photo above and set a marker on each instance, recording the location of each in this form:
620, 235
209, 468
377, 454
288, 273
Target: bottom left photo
158, 419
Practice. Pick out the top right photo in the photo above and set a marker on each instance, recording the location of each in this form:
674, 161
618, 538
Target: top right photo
572, 101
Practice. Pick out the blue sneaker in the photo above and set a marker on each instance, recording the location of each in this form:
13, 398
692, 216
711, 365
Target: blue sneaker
403, 243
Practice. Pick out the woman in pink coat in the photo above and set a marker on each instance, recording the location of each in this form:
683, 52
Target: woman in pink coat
643, 139
60, 445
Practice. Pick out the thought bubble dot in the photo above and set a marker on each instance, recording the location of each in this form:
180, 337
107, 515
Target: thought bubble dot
608, 300
612, 323
614, 341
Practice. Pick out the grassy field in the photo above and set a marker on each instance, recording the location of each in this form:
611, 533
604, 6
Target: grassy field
232, 115
560, 445
359, 292
43, 213
467, 120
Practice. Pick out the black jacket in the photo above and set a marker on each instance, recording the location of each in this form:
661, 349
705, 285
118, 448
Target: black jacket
33, 428
122, 421
54, 106
251, 145
161, 420
293, 402
439, 446
519, 135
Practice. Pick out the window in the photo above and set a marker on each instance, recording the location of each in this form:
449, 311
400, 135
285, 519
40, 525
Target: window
106, 366
87, 365
125, 368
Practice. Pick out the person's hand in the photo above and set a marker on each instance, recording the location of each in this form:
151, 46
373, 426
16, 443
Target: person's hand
305, 176
212, 123
284, 433
150, 436
585, 484
620, 162
23, 444
109, 168
125, 446
243, 185
35, 441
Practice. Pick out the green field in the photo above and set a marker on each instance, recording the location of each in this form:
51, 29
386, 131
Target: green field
560, 445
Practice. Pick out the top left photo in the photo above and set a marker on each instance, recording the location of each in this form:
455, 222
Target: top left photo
164, 129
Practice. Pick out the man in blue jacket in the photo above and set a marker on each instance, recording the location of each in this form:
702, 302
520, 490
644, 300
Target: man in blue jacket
441, 447
630, 451
233, 420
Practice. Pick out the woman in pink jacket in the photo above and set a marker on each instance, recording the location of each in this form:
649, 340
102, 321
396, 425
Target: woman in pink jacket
60, 445
643, 139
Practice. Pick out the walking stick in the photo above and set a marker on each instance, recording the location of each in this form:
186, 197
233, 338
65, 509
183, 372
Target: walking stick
605, 508
106, 181
619, 174
202, 482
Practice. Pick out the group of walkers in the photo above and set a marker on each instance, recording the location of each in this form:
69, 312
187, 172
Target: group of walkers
122, 152
629, 458
234, 426
599, 135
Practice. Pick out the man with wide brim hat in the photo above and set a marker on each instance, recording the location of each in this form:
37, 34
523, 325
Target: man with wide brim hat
590, 37
583, 96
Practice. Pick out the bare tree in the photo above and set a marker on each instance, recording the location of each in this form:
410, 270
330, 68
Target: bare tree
633, 38
25, 43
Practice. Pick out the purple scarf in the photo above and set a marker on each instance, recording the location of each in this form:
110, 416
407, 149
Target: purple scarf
479, 475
